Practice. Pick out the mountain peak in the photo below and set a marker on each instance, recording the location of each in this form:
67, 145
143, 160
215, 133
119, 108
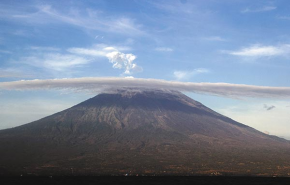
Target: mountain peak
143, 97
130, 92
139, 130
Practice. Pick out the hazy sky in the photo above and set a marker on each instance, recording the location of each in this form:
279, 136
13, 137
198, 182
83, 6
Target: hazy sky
215, 41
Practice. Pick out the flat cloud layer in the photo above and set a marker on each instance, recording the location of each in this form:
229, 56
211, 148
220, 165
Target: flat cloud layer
98, 84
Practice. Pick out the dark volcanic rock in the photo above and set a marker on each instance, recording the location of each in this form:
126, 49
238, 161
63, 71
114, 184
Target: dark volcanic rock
141, 131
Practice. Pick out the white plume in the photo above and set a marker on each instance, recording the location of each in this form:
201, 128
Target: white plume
124, 61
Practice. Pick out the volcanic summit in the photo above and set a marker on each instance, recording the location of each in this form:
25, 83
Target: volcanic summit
141, 131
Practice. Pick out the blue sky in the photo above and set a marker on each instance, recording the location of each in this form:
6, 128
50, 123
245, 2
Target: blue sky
237, 42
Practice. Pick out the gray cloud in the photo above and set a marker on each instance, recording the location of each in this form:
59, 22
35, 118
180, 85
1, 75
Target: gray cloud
269, 107
95, 85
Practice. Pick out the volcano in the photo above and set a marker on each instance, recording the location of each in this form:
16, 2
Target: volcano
141, 131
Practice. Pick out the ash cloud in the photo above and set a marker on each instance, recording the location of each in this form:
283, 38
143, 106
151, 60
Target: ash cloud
99, 84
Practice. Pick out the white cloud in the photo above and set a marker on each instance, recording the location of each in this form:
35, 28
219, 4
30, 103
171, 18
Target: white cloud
262, 51
164, 49
109, 48
98, 84
261, 9
185, 75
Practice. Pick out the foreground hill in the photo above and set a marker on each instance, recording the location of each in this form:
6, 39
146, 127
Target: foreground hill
141, 132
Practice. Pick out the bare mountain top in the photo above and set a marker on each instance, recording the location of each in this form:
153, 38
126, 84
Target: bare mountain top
142, 131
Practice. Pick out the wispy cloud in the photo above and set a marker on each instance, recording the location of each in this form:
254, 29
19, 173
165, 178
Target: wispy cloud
13, 73
164, 49
88, 51
262, 51
95, 85
55, 61
185, 75
261, 9
97, 50
87, 19
40, 48
284, 17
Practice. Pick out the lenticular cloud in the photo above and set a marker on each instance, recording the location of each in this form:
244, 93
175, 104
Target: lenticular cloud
99, 84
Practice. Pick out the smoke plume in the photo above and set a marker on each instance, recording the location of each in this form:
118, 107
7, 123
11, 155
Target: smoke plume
124, 61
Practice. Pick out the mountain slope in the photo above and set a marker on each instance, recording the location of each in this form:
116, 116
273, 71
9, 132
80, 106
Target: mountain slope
141, 131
